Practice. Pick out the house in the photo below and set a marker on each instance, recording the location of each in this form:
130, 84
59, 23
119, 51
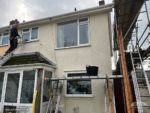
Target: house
58, 46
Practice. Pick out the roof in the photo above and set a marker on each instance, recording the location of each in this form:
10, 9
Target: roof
29, 58
126, 11
85, 12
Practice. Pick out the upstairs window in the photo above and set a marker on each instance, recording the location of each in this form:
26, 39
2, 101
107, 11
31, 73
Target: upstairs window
34, 33
83, 31
4, 39
26, 35
30, 34
72, 33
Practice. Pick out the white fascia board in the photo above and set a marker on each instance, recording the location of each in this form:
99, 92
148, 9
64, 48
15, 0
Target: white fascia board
27, 66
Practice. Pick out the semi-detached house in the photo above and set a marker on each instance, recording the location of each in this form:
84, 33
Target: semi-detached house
59, 46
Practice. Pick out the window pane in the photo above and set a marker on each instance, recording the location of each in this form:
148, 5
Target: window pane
25, 30
84, 34
76, 74
12, 88
67, 34
34, 33
6, 34
79, 87
1, 83
26, 36
83, 19
27, 87
47, 86
5, 39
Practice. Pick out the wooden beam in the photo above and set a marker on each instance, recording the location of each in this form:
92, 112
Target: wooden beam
110, 97
126, 82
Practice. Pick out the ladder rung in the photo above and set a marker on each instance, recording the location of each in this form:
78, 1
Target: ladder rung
135, 52
142, 86
136, 58
140, 78
146, 106
145, 96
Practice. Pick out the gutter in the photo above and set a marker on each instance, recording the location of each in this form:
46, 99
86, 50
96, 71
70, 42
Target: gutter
99, 9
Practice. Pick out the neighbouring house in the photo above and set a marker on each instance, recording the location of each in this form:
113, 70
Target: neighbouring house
55, 47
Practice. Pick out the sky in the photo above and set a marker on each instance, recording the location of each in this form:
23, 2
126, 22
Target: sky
35, 9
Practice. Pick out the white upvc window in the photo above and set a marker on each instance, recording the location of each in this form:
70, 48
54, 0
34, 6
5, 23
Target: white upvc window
4, 39
30, 34
78, 88
27, 89
73, 33
17, 89
18, 86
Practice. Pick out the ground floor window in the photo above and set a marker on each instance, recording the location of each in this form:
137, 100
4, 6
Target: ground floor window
18, 86
78, 87
12, 87
27, 87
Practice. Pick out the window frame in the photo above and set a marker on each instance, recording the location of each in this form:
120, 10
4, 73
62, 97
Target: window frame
77, 95
17, 91
30, 34
20, 71
78, 33
34, 86
83, 23
2, 35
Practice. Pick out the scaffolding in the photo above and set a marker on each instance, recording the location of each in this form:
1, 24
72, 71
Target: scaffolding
132, 39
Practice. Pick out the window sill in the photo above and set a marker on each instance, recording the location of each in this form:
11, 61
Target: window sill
4, 45
36, 40
80, 96
85, 45
23, 42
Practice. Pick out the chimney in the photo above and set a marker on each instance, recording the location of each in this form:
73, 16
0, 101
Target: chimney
102, 2
75, 9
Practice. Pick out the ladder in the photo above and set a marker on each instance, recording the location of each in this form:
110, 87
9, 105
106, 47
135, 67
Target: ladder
6, 57
140, 80
54, 100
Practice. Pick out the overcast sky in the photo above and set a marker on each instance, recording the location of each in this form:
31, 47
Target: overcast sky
35, 9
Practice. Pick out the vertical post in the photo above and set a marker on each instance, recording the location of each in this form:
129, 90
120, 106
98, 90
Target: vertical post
137, 41
110, 97
127, 87
34, 102
38, 89
147, 13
